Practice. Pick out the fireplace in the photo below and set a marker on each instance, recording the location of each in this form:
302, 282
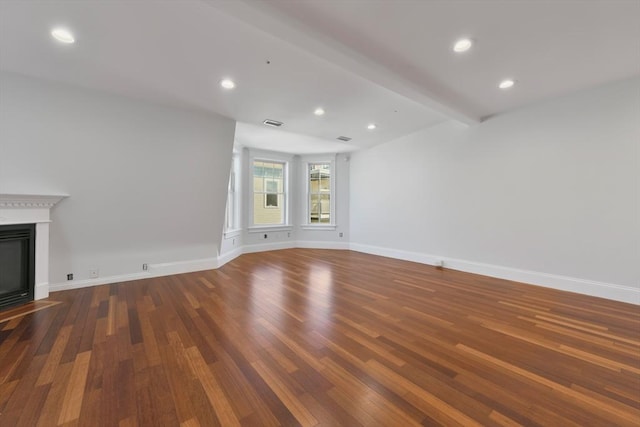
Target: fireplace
24, 249
17, 264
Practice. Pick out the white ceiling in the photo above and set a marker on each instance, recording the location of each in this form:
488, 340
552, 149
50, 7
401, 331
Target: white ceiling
388, 62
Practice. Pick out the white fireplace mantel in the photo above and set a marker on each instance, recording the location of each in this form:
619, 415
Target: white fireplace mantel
33, 209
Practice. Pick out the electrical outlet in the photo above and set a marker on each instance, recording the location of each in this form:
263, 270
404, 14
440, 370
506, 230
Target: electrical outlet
70, 276
94, 273
145, 267
265, 236
341, 234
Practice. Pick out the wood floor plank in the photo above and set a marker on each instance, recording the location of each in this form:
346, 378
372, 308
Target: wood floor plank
320, 338
72, 401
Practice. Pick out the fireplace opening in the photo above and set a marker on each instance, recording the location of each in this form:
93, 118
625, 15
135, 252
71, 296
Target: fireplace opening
17, 264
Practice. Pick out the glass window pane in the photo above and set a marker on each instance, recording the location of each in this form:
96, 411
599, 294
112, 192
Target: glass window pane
325, 183
314, 208
271, 200
258, 184
271, 186
319, 193
278, 170
268, 171
258, 169
325, 208
268, 197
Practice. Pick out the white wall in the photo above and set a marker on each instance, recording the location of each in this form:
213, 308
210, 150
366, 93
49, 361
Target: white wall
553, 188
148, 183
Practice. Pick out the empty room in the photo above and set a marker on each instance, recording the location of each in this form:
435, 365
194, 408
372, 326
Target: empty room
319, 213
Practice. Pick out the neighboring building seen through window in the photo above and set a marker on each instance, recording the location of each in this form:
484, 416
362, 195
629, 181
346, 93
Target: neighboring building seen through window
268, 193
319, 193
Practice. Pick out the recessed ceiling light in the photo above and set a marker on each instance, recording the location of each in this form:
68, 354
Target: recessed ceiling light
62, 35
462, 45
371, 126
506, 84
227, 84
319, 112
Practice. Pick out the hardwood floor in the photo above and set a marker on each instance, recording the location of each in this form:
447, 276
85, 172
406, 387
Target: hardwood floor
318, 337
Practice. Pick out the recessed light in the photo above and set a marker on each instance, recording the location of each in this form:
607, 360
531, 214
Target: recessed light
319, 112
506, 84
227, 84
371, 126
462, 45
62, 35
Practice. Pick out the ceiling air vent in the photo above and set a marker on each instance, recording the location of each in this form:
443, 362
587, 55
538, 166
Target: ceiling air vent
274, 123
344, 138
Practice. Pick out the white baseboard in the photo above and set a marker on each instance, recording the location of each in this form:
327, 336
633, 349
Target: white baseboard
564, 283
76, 284
229, 256
263, 247
179, 267
155, 270
311, 244
41, 291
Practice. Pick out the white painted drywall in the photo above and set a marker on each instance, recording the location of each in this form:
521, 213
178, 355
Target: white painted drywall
552, 188
147, 183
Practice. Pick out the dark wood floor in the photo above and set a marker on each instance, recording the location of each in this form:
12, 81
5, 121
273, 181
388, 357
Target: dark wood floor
315, 337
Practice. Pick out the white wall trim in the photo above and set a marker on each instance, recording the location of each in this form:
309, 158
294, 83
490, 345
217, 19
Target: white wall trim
327, 227
314, 244
33, 201
77, 284
571, 284
263, 247
229, 256
179, 267
155, 270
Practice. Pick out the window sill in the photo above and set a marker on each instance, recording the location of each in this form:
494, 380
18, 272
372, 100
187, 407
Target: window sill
232, 233
319, 227
263, 228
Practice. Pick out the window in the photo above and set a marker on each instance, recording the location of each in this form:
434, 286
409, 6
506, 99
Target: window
232, 222
269, 193
319, 190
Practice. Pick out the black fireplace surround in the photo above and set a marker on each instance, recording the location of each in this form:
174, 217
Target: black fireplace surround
17, 264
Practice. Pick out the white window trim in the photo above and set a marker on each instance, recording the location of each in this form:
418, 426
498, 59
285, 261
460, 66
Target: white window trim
319, 227
261, 228
306, 161
234, 177
270, 156
232, 233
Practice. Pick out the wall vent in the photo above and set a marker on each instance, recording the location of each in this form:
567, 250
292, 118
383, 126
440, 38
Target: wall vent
274, 123
344, 138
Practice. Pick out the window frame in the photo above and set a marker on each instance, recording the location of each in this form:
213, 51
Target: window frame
232, 225
306, 164
270, 157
